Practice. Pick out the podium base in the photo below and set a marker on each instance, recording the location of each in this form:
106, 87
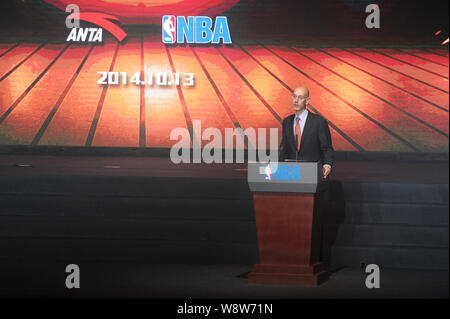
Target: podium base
313, 275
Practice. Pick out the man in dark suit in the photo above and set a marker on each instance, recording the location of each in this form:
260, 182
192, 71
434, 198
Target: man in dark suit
306, 136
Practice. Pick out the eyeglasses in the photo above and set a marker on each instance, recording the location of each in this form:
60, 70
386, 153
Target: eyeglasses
299, 96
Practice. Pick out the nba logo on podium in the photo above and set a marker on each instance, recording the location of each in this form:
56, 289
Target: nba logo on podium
282, 173
168, 27
268, 172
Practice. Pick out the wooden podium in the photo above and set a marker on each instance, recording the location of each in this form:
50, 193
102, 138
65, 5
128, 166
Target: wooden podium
283, 195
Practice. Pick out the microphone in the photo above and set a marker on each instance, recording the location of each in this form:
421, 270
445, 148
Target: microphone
296, 147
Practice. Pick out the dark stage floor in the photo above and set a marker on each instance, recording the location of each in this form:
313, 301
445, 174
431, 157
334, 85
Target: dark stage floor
146, 228
206, 281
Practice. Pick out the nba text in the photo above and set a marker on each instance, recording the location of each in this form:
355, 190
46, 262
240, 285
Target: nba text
195, 30
282, 172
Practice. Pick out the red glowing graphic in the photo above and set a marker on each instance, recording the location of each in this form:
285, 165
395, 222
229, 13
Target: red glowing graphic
374, 99
149, 11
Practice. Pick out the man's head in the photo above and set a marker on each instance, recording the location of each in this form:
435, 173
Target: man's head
300, 98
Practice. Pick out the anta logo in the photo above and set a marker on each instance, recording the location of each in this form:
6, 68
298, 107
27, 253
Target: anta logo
282, 173
195, 30
102, 20
81, 35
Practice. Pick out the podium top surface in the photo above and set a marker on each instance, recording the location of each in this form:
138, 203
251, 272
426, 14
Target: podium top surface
291, 177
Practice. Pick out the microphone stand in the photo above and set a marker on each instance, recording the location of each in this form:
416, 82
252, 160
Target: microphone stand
296, 150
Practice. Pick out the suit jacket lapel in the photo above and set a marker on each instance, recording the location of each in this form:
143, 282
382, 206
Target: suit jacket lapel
290, 127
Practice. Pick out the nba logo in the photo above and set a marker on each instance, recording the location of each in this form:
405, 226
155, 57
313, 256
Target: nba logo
268, 172
168, 29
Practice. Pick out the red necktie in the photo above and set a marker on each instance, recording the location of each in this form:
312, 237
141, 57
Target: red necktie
298, 132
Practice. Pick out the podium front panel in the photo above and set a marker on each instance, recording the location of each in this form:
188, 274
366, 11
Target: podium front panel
298, 177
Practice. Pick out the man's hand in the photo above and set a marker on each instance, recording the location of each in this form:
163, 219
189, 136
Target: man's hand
326, 171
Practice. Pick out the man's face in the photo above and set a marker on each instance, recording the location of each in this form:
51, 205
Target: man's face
300, 98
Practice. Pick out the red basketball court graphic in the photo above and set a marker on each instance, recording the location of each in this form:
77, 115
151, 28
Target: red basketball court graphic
374, 99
